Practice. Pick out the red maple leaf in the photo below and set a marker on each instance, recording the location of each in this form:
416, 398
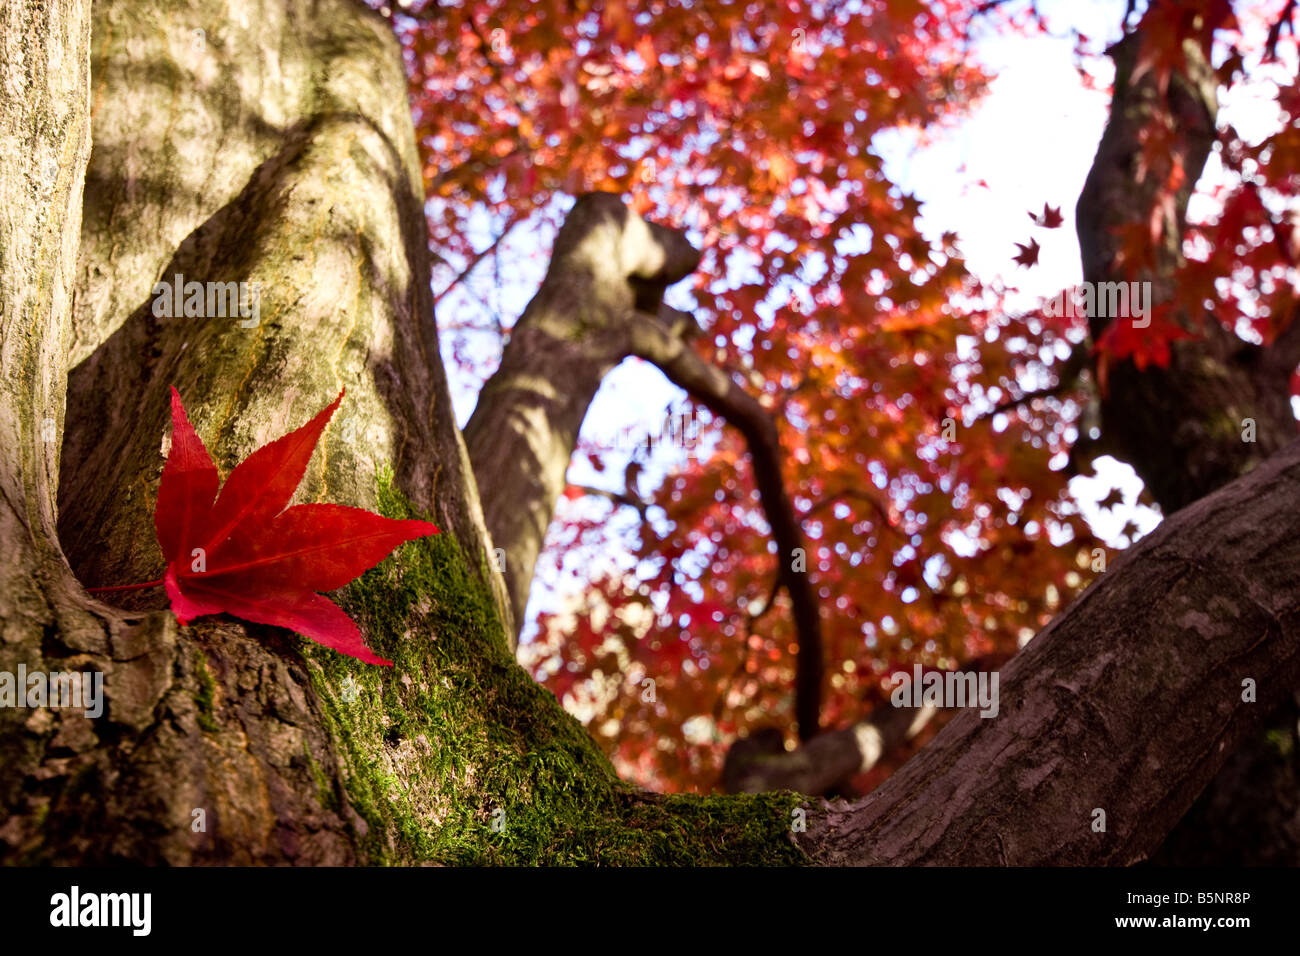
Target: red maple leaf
1050, 218
243, 552
1028, 254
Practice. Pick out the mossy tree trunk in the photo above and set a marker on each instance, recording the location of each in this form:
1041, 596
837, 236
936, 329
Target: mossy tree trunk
232, 743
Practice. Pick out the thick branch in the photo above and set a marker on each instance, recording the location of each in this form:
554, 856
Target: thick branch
1221, 406
824, 762
1127, 703
525, 426
760, 762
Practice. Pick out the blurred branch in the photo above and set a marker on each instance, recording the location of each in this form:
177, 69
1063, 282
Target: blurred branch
1284, 21
653, 340
857, 494
1067, 381
617, 497
760, 763
478, 257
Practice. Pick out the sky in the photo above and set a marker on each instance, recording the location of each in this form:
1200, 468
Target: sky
1031, 140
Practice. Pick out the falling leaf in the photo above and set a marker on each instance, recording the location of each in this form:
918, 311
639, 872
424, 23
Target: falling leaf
1050, 218
244, 552
1028, 254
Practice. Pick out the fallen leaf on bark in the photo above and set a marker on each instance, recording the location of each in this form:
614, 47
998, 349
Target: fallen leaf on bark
244, 552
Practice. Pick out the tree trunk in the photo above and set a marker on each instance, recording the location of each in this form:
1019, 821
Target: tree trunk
1125, 704
525, 426
601, 301
1181, 427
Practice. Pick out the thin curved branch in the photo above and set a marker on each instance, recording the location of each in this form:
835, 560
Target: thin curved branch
478, 257
653, 340
1067, 380
858, 494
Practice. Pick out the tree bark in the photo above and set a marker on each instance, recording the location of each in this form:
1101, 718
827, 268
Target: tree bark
1181, 427
601, 301
344, 300
525, 424
224, 742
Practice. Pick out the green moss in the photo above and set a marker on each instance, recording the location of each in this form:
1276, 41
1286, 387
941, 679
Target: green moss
36, 852
1282, 741
323, 789
1226, 425
206, 697
456, 755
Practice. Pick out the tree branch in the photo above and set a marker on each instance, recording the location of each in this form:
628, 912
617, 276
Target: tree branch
478, 257
760, 763
618, 498
1067, 380
653, 340
1127, 703
858, 494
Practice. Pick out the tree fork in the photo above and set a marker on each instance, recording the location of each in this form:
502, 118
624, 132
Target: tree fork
600, 303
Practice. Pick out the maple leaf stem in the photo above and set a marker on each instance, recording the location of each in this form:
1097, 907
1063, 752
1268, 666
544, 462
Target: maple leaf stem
125, 587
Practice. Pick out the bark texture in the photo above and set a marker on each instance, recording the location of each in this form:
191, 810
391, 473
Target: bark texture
232, 743
44, 142
313, 198
45, 138
1180, 427
601, 301
525, 425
